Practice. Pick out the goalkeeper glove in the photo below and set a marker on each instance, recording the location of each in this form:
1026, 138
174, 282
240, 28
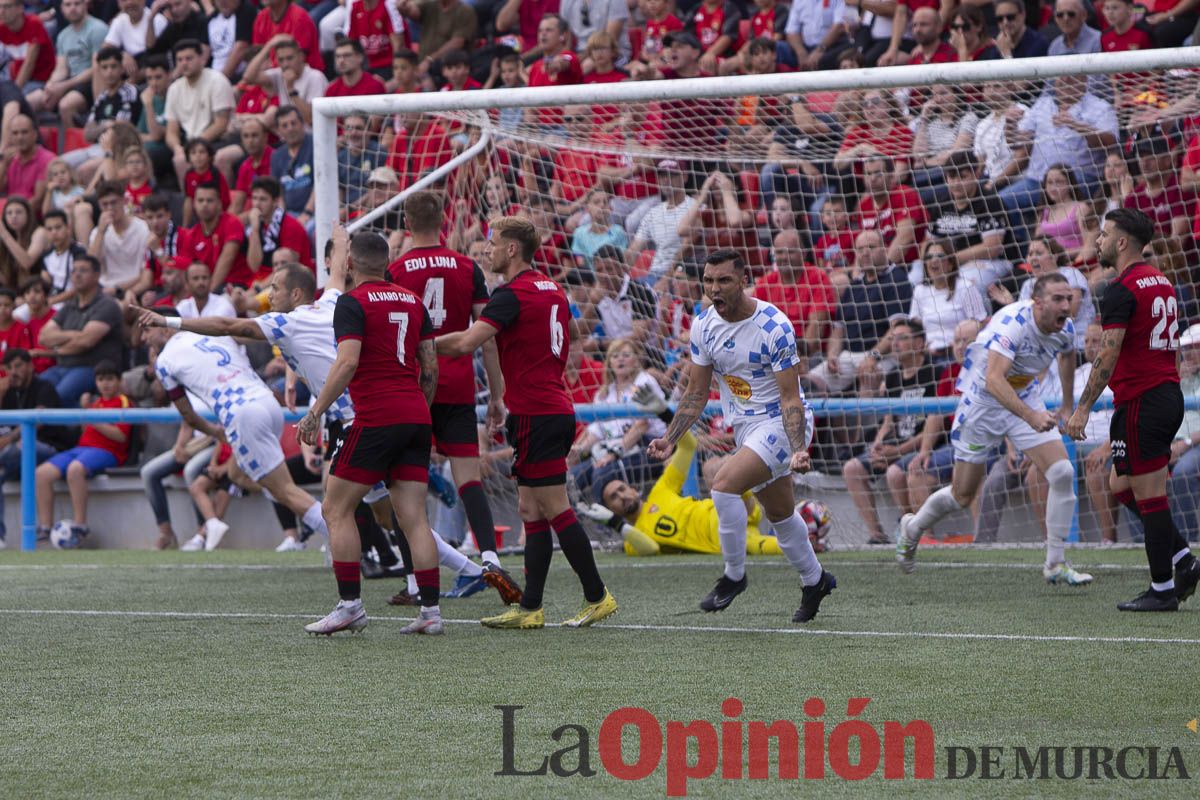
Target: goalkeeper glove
651, 402
601, 514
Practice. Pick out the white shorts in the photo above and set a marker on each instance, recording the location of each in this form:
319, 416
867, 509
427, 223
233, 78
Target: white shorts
978, 428
769, 441
253, 433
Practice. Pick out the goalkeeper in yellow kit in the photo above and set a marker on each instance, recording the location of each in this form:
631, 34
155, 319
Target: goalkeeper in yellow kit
667, 521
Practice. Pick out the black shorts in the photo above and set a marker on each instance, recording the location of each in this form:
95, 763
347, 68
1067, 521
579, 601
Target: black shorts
540, 446
1142, 430
455, 432
386, 453
334, 433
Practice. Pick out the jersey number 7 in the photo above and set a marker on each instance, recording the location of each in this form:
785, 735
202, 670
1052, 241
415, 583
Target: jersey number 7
401, 320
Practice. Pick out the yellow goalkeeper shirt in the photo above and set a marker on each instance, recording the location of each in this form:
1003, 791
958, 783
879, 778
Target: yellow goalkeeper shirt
678, 522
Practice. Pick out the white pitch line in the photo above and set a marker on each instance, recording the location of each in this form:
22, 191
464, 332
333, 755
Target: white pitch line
664, 563
999, 637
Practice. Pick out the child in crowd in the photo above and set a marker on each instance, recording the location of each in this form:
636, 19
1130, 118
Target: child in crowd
102, 446
405, 73
508, 72
834, 251
659, 23
200, 154
62, 187
139, 179
11, 331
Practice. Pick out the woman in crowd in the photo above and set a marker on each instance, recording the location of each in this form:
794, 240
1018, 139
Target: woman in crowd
607, 442
17, 246
1065, 218
1118, 181
943, 300
969, 36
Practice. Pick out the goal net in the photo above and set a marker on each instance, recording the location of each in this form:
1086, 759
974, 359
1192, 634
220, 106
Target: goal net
888, 212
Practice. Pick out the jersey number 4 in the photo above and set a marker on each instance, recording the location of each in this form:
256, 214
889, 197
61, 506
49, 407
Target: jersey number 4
401, 320
435, 301
1165, 311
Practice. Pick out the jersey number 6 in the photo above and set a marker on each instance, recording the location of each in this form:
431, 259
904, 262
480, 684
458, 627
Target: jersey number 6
556, 332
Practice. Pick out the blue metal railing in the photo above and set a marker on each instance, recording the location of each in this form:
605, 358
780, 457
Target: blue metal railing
30, 419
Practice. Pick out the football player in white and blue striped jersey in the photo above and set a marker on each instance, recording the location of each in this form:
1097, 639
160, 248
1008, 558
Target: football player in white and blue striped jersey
1001, 399
750, 346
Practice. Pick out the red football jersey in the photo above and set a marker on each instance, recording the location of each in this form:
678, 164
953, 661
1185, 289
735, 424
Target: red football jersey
572, 74
91, 437
391, 323
449, 284
207, 247
373, 27
1143, 302
532, 314
208, 178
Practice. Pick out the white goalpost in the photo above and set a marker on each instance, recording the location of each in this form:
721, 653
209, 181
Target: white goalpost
800, 173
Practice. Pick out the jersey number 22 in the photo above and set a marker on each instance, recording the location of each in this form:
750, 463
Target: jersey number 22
1165, 311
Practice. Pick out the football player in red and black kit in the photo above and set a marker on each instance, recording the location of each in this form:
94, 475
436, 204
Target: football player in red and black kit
1139, 356
385, 354
453, 290
529, 316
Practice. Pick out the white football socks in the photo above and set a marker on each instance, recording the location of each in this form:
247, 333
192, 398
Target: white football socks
313, 519
792, 534
731, 528
940, 504
1060, 509
451, 559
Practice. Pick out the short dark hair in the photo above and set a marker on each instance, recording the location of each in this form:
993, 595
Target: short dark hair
109, 53
208, 185
298, 276
913, 324
188, 44
9, 293
962, 159
106, 368
34, 281
726, 254
563, 25
287, 111
200, 143
109, 189
155, 61
404, 54
268, 184
1045, 279
456, 58
370, 252
55, 213
609, 252
1132, 223
92, 261
155, 203
353, 43
761, 44
167, 311
16, 354
510, 58
423, 212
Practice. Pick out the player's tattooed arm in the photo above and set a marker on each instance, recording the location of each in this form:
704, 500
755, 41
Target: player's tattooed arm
1102, 367
692, 404
427, 353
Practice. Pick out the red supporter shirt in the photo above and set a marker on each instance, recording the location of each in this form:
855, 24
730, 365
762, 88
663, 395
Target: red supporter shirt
835, 249
295, 22
913, 5
294, 237
367, 84
134, 195
207, 247
249, 170
572, 75
450, 285
903, 203
691, 123
16, 45
896, 143
710, 24
391, 323
14, 336
574, 173
944, 54
207, 178
769, 23
656, 31
1138, 37
414, 156
91, 437
602, 115
33, 329
1142, 301
1169, 204
812, 293
588, 379
174, 252
532, 314
374, 27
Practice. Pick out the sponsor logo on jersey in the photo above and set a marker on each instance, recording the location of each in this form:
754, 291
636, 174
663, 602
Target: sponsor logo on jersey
1019, 381
740, 389
729, 344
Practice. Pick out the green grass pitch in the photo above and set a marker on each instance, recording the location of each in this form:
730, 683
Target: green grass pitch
130, 674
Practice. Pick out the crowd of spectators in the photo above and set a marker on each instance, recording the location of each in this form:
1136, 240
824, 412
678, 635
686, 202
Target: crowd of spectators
163, 154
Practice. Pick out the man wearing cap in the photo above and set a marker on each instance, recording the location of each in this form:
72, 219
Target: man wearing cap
816, 30
660, 225
1184, 483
